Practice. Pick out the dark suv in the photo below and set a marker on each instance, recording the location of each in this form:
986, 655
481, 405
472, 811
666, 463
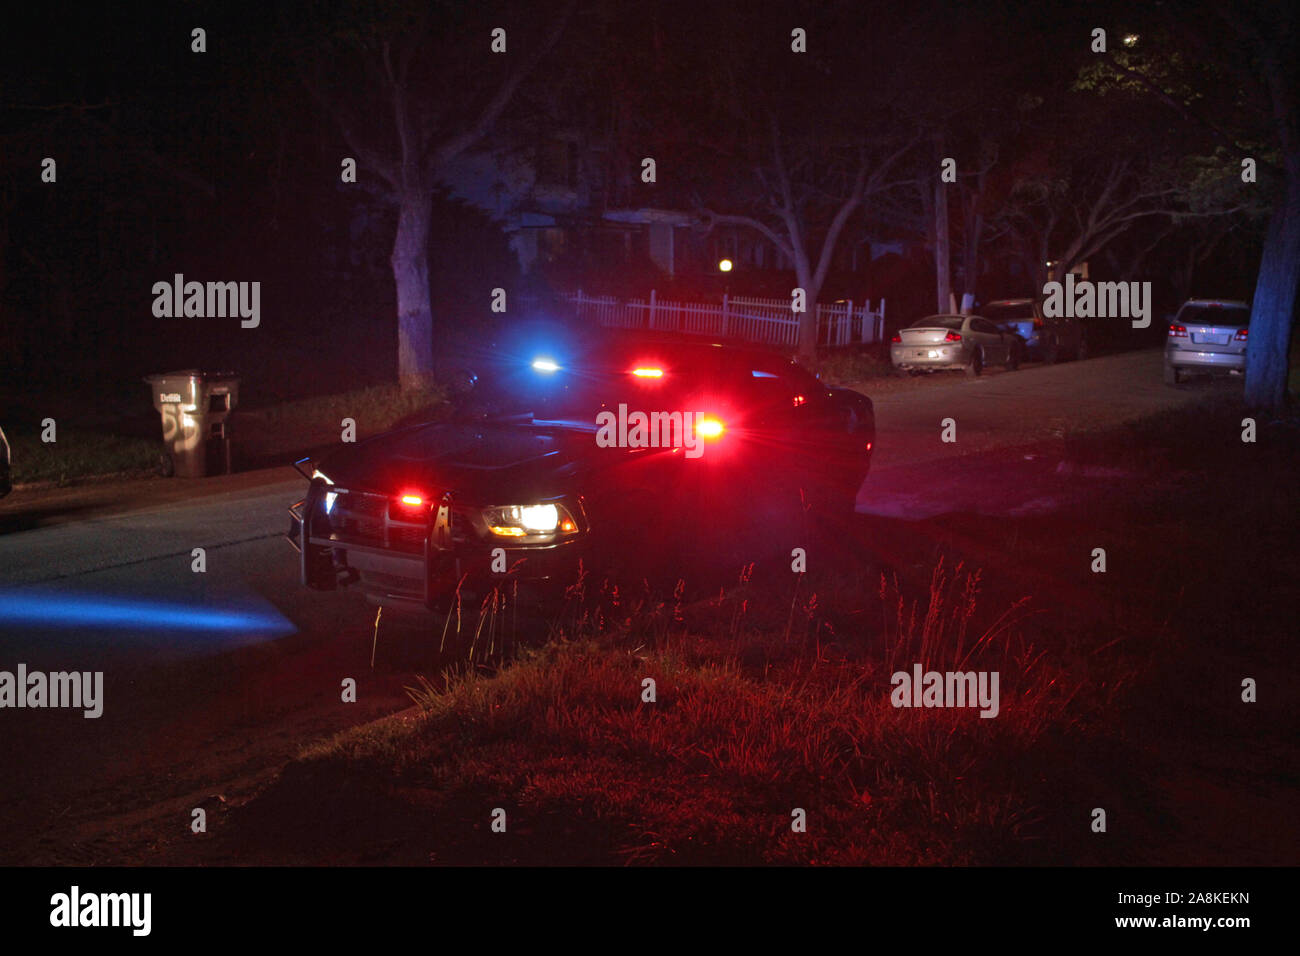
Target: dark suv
1046, 340
624, 446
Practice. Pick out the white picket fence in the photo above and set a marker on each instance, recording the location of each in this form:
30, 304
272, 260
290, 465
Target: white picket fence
769, 321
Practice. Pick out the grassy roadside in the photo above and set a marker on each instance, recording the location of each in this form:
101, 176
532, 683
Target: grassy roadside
289, 425
760, 710
80, 454
849, 366
271, 434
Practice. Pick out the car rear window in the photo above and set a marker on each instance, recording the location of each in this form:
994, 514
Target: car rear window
953, 322
1232, 316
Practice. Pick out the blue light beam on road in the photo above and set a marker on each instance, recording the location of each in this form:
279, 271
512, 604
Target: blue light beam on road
52, 609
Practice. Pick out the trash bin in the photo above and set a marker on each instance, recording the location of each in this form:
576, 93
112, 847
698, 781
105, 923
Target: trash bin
195, 408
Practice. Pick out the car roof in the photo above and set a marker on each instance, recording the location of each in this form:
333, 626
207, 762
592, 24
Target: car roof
1227, 303
1009, 302
637, 338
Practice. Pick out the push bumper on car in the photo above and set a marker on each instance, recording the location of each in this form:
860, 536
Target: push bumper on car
414, 563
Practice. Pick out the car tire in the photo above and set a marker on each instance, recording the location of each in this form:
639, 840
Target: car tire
1013, 357
1172, 376
975, 367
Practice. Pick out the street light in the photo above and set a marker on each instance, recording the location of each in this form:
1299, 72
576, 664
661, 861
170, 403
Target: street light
724, 265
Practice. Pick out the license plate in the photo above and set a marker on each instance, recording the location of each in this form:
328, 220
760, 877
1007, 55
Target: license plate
1205, 338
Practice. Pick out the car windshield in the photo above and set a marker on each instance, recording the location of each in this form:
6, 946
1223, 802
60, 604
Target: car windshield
1012, 312
1231, 316
953, 322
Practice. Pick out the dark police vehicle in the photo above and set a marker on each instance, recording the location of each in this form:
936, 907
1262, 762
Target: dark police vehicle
630, 445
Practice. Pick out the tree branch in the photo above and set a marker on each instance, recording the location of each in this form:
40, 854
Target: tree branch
440, 155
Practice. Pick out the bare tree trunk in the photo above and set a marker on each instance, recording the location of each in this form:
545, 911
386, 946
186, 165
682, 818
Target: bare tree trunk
410, 262
808, 320
1274, 303
942, 248
971, 257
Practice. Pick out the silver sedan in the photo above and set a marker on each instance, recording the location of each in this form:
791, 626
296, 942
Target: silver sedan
968, 342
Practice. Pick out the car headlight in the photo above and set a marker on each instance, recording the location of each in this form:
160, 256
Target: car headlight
518, 521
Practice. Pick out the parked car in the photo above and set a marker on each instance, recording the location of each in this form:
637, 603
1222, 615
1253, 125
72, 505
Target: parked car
1046, 340
523, 480
6, 483
969, 342
1207, 335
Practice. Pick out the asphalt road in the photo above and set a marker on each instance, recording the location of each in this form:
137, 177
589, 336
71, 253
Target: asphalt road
1008, 408
219, 674
913, 472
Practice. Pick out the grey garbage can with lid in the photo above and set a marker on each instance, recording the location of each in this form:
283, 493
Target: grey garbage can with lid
195, 407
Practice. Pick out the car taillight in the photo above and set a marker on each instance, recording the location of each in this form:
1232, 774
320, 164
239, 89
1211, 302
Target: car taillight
952, 337
1241, 335
1038, 323
897, 338
1178, 331
799, 400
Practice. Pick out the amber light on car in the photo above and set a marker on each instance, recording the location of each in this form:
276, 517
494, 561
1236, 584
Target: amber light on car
648, 372
709, 428
1178, 331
